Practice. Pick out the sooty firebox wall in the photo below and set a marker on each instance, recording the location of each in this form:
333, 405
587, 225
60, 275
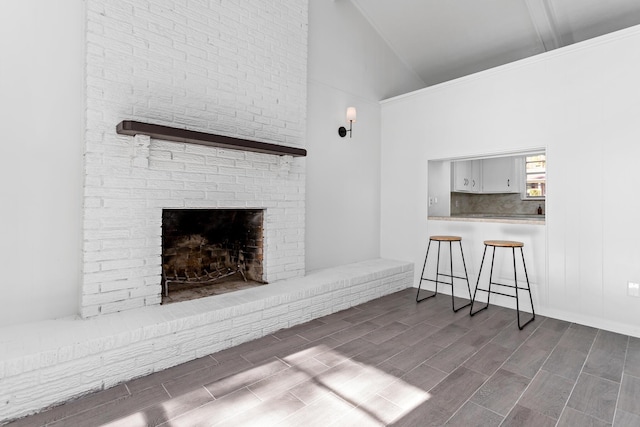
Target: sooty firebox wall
204, 245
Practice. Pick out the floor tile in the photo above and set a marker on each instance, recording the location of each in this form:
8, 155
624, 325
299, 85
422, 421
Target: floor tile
171, 373
165, 410
279, 349
322, 412
501, 391
547, 394
379, 353
526, 360
488, 359
605, 363
451, 357
353, 332
555, 324
388, 317
629, 392
340, 353
606, 358
324, 330
525, 417
267, 413
286, 379
578, 337
511, 337
204, 376
116, 409
544, 338
308, 350
411, 357
417, 334
626, 419
595, 396
427, 414
632, 362
307, 326
334, 377
445, 336
309, 391
471, 415
74, 407
217, 411
456, 388
412, 389
572, 418
565, 362
386, 332
245, 377
368, 383
376, 411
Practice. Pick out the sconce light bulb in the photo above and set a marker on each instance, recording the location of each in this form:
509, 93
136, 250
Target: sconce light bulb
351, 114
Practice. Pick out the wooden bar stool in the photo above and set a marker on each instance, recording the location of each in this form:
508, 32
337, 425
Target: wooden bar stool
451, 276
504, 244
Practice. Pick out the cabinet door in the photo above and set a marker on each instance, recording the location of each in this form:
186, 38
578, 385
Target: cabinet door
499, 175
461, 172
466, 176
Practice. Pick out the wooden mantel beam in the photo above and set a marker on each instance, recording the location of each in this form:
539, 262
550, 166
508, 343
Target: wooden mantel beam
168, 133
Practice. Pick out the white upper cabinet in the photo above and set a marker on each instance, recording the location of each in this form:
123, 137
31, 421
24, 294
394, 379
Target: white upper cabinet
500, 175
466, 176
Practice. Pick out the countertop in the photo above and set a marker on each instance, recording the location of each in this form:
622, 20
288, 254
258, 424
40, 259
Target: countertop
507, 219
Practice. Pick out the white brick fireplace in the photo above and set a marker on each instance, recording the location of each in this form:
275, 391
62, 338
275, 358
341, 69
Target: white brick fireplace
234, 68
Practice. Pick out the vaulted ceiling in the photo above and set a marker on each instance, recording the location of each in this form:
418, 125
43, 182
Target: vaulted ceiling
445, 39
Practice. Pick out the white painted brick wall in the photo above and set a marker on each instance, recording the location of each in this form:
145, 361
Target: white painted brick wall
235, 68
45, 363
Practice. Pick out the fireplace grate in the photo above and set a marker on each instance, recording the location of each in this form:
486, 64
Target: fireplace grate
201, 279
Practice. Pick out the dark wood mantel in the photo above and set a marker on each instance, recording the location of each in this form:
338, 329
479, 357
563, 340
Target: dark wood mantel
130, 127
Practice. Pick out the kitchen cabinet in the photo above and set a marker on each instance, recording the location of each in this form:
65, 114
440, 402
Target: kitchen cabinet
466, 176
500, 175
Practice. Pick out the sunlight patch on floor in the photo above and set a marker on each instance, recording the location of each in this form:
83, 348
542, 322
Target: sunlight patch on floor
354, 383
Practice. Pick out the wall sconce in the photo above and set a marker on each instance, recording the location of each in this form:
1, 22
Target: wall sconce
351, 118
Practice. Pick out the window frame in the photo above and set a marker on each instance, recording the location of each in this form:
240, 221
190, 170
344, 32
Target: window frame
524, 194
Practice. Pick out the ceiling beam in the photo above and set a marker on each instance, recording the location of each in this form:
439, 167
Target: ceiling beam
543, 19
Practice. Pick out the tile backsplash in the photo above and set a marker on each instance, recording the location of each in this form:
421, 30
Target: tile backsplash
466, 203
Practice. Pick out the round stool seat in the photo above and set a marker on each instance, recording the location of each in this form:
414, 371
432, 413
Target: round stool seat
446, 238
504, 243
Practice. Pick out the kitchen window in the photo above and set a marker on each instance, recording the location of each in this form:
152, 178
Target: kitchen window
535, 168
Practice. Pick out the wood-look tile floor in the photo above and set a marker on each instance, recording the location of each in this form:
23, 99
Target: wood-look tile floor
388, 362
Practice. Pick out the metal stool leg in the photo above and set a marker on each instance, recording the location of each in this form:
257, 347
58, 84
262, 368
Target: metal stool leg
455, 310
466, 275
475, 292
524, 265
424, 266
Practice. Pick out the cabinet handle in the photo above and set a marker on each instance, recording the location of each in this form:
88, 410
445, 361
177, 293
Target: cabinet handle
508, 183
474, 183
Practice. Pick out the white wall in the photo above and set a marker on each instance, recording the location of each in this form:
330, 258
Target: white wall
349, 65
41, 87
581, 103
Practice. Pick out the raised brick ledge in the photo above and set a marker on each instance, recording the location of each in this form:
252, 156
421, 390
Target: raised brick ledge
49, 362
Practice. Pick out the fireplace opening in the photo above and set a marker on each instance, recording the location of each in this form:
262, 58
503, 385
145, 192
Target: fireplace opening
210, 251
